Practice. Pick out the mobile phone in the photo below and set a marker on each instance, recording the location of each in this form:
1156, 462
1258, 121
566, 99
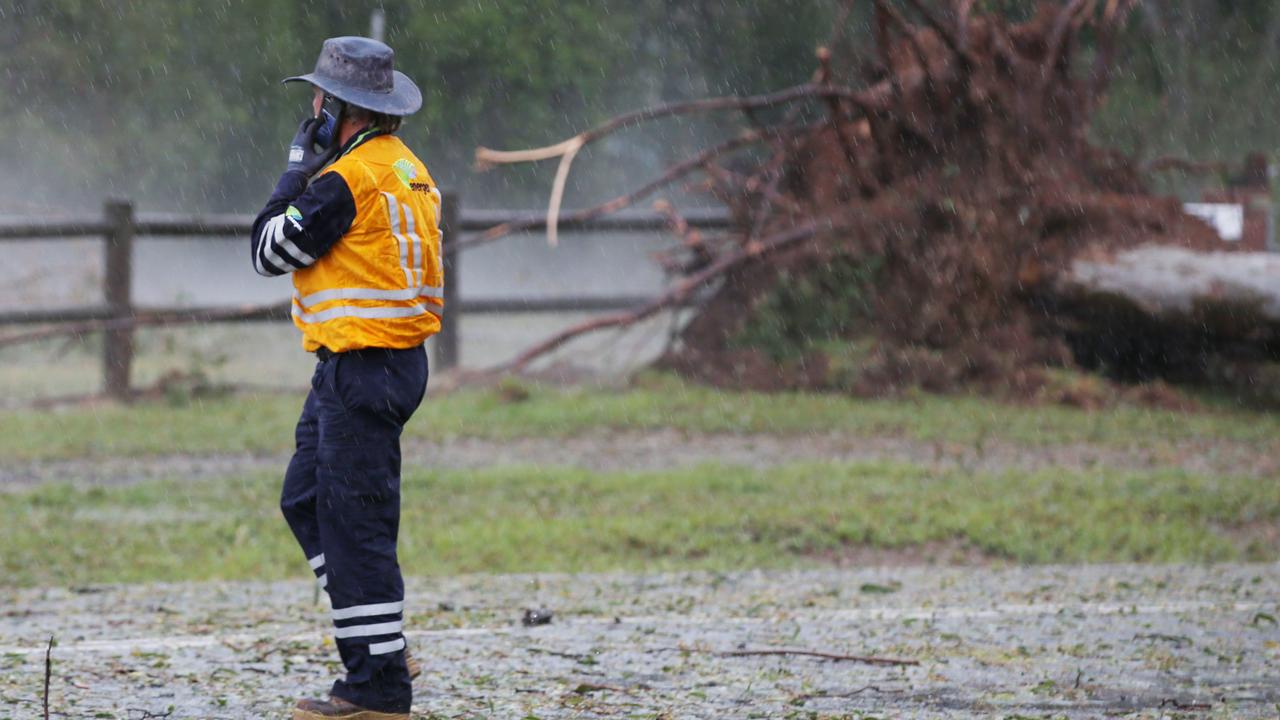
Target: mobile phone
330, 112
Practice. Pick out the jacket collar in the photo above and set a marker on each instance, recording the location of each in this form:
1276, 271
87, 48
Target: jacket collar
361, 137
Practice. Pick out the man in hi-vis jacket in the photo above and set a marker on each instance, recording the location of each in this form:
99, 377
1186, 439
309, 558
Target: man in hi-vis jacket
355, 220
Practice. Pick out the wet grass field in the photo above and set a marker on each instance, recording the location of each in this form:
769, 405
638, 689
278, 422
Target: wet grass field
659, 475
257, 422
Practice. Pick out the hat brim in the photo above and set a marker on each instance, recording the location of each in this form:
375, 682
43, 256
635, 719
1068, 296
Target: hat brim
404, 99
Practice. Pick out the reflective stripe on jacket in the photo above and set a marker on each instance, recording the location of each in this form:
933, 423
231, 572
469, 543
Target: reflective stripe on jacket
363, 244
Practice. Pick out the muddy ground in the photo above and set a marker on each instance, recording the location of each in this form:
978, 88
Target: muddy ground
1074, 642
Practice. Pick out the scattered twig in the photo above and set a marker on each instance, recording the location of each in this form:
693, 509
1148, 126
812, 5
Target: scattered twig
1178, 640
866, 659
48, 673
587, 688
801, 699
1180, 705
576, 657
145, 714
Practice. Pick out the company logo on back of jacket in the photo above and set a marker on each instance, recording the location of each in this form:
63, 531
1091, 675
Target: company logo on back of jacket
363, 244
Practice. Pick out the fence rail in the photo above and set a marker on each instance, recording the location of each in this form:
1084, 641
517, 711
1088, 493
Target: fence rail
119, 226
196, 225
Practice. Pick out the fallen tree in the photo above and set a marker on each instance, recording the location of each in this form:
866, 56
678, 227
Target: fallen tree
940, 219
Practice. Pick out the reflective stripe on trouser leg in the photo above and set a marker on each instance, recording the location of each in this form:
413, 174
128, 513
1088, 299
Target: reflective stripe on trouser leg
363, 403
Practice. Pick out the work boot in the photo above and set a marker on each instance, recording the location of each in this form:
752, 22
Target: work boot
336, 707
415, 668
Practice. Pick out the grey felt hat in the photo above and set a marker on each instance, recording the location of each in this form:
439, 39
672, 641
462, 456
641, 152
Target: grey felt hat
359, 71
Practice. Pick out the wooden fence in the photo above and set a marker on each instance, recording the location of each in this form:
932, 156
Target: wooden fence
119, 226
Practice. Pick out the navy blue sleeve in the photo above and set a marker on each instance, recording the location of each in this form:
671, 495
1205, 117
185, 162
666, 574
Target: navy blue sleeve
299, 223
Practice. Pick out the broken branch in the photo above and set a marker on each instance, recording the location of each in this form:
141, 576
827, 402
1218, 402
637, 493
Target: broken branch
568, 149
486, 157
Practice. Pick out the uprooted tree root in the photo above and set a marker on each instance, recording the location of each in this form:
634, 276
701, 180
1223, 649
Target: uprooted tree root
910, 231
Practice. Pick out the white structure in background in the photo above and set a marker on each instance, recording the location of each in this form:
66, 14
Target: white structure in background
1226, 218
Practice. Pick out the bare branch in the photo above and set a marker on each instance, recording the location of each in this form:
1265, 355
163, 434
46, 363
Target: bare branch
939, 27
676, 221
691, 241
1114, 18
774, 172
486, 157
568, 149
836, 111
963, 10
890, 13
1067, 18
841, 24
557, 192
674, 173
677, 294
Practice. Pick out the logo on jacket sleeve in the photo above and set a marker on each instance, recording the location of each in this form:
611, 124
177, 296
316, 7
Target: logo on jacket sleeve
295, 216
405, 171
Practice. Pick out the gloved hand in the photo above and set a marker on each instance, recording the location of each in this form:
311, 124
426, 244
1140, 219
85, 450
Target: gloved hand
302, 151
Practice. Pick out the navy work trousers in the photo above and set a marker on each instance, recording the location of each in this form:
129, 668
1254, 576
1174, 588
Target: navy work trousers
341, 498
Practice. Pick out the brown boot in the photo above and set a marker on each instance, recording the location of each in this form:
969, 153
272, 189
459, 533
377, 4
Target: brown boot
415, 668
336, 707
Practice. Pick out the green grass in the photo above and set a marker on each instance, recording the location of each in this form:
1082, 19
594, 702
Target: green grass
527, 519
264, 422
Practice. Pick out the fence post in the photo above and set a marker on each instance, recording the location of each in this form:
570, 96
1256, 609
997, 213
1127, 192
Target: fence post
117, 342
451, 226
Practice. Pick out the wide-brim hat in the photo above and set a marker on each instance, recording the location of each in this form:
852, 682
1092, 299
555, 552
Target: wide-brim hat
360, 71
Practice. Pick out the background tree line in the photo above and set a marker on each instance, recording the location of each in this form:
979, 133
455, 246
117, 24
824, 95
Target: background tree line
178, 104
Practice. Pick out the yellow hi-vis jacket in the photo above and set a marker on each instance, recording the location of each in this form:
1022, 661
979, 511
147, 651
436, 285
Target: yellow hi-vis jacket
363, 244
